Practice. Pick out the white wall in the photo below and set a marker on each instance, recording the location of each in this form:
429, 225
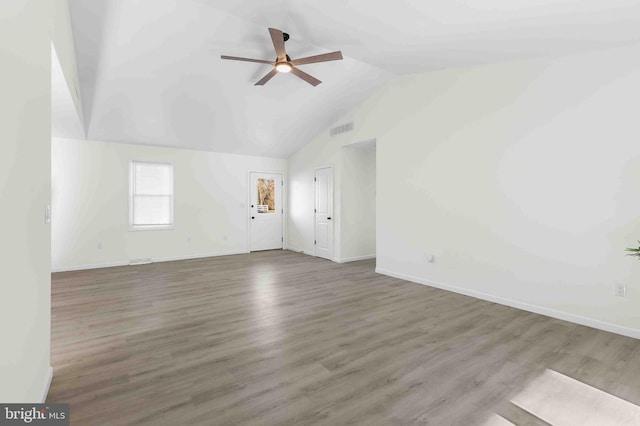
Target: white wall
521, 179
91, 201
358, 204
322, 151
25, 176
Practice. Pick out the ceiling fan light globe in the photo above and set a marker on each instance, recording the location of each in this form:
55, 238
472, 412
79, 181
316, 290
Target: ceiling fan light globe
283, 67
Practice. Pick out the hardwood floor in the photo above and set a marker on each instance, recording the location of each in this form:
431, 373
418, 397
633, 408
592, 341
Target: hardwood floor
278, 337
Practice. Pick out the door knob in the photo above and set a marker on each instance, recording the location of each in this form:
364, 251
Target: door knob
329, 218
253, 217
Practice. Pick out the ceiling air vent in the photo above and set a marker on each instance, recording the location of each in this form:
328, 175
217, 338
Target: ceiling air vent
343, 128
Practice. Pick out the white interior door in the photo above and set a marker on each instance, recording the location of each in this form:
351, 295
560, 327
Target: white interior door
265, 211
323, 180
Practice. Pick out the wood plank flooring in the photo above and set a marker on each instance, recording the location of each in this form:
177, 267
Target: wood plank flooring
277, 337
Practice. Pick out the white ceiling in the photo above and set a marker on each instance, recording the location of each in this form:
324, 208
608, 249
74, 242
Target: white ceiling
65, 122
150, 70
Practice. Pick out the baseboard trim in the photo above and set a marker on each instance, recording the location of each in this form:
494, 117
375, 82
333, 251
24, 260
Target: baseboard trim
536, 309
153, 260
90, 266
355, 259
47, 385
197, 256
299, 250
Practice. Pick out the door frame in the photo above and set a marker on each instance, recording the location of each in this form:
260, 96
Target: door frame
284, 202
333, 209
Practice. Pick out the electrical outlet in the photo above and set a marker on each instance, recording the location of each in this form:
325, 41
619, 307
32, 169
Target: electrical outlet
620, 290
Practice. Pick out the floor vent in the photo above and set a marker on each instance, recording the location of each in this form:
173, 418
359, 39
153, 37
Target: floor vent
139, 261
343, 128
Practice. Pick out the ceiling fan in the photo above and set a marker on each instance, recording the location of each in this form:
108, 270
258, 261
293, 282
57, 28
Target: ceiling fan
283, 62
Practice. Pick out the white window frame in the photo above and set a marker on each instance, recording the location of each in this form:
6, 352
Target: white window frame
132, 195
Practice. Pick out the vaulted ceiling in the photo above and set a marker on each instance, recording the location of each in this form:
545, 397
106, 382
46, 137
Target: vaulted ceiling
150, 70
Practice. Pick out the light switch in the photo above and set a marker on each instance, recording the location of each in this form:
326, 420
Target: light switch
47, 214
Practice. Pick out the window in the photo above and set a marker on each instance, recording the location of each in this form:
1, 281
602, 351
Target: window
151, 196
266, 196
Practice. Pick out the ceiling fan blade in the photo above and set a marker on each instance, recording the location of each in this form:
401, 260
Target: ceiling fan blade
306, 77
278, 43
236, 58
333, 56
267, 77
